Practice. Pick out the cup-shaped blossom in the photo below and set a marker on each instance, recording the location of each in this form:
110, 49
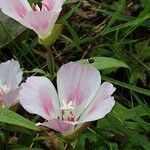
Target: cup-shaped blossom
41, 20
81, 97
10, 78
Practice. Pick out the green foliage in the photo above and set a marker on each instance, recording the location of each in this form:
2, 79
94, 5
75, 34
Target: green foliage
9, 30
10, 117
102, 63
126, 123
34, 1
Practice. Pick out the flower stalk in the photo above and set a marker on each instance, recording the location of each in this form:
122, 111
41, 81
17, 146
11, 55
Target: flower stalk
77, 132
50, 63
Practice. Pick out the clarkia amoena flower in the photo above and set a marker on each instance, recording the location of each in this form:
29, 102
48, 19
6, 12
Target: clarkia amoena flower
81, 97
41, 20
10, 78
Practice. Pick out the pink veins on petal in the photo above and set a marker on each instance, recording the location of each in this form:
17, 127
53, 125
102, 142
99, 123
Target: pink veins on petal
40, 25
34, 7
46, 103
75, 96
20, 9
47, 5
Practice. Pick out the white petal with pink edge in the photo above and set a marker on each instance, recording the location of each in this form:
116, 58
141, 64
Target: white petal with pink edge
38, 96
47, 5
101, 104
57, 5
79, 84
10, 98
41, 22
15, 9
59, 125
52, 5
10, 74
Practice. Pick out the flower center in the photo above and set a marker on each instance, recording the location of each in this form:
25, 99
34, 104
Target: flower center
43, 7
35, 7
3, 90
67, 114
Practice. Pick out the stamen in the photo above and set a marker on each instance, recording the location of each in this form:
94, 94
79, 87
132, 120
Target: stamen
35, 7
66, 106
67, 114
3, 90
38, 124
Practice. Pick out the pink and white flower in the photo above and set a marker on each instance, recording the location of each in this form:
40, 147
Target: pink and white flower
41, 20
10, 78
81, 97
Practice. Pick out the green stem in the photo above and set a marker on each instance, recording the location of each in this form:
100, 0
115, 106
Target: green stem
6, 139
77, 132
51, 63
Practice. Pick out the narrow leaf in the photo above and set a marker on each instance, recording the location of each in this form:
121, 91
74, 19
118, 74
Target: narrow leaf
10, 117
102, 63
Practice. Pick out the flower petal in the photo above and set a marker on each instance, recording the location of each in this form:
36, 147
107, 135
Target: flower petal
101, 104
15, 9
52, 5
38, 96
41, 22
10, 98
47, 5
58, 5
58, 125
10, 74
79, 84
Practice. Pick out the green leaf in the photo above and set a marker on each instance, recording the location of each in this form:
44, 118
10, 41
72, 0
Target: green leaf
10, 117
50, 63
127, 86
135, 137
124, 121
145, 3
81, 140
128, 24
36, 70
115, 16
80, 145
9, 29
102, 63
